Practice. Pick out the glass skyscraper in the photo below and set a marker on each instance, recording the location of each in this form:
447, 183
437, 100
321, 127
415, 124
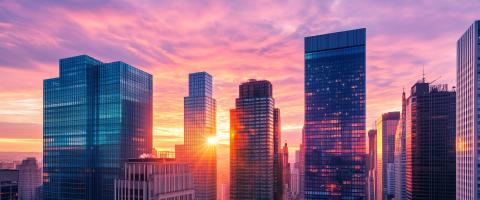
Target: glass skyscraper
278, 158
468, 118
335, 150
252, 141
385, 180
199, 125
96, 116
430, 142
371, 164
400, 153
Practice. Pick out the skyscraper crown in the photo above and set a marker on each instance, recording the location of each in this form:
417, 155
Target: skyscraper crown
199, 84
255, 89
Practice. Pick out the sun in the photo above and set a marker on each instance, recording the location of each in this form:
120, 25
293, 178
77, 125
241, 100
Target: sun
212, 141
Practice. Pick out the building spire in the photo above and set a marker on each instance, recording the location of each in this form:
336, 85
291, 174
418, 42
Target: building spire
423, 74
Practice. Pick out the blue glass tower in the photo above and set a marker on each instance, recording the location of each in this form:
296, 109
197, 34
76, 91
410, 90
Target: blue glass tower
199, 125
335, 155
96, 116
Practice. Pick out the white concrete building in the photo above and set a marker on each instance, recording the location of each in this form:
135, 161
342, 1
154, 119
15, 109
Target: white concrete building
155, 179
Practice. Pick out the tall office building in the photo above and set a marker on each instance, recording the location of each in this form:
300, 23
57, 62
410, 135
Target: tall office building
468, 101
430, 142
29, 179
252, 135
386, 127
278, 158
199, 126
400, 152
371, 164
95, 116
335, 150
155, 179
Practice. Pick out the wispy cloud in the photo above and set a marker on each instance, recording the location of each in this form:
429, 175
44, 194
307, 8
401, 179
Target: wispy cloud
232, 40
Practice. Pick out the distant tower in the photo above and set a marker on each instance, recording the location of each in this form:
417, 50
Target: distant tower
29, 179
200, 125
335, 149
301, 168
252, 141
400, 152
295, 176
286, 174
278, 160
385, 179
371, 164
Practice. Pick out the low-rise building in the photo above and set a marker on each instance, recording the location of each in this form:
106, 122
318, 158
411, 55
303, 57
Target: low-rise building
9, 184
29, 179
155, 179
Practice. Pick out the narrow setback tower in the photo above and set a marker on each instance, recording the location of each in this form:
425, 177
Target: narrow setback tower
200, 125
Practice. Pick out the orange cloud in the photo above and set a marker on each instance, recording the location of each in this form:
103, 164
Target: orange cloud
232, 40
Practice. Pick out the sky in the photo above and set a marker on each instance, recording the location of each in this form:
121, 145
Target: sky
232, 40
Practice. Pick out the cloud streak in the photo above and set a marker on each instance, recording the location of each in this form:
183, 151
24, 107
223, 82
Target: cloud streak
232, 40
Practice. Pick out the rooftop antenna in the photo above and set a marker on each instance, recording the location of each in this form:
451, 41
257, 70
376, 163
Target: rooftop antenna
423, 74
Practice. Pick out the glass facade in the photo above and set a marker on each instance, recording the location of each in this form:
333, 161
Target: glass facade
371, 164
400, 153
96, 116
468, 118
430, 142
335, 149
386, 127
199, 125
252, 142
278, 158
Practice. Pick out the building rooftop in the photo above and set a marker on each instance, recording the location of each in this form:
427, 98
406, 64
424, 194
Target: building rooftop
356, 37
151, 160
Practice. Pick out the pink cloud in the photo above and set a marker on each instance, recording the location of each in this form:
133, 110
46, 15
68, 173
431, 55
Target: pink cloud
232, 40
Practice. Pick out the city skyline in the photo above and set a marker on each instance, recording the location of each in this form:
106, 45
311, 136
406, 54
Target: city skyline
378, 105
399, 46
